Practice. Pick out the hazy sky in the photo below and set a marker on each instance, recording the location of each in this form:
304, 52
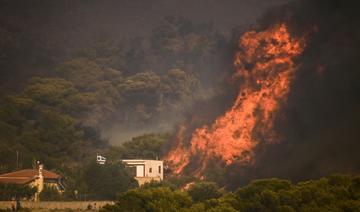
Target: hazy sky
140, 15
130, 17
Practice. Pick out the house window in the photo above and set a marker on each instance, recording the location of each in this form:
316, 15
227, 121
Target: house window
159, 169
150, 170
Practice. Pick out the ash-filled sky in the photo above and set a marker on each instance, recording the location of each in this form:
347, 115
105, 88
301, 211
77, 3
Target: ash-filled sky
142, 16
129, 17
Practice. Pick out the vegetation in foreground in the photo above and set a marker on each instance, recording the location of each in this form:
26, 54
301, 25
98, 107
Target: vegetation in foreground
334, 193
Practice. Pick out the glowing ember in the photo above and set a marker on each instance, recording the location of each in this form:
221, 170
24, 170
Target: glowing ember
265, 64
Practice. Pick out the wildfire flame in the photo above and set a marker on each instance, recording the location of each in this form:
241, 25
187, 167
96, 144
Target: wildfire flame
265, 65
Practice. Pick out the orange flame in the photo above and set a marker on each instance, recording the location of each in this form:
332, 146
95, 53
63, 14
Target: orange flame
265, 64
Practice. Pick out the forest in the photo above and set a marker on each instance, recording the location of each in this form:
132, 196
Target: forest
58, 116
67, 95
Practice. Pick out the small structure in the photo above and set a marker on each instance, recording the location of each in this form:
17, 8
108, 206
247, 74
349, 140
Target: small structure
35, 178
145, 171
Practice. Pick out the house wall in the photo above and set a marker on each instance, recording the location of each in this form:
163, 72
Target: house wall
152, 169
40, 184
140, 170
147, 170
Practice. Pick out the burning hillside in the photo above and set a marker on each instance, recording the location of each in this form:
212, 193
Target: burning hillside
265, 65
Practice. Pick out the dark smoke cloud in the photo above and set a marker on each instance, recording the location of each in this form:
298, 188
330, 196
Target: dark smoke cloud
128, 17
38, 35
320, 123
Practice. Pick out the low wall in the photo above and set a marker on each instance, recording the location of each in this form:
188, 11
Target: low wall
74, 205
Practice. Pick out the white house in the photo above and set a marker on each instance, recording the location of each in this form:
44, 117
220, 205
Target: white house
145, 170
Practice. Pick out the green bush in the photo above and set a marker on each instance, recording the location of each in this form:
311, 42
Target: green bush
10, 191
203, 191
151, 199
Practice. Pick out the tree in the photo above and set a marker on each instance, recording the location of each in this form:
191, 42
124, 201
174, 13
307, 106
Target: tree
259, 195
355, 188
106, 181
204, 191
148, 146
10, 191
151, 199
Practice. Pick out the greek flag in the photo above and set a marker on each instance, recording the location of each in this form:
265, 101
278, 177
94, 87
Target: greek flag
100, 159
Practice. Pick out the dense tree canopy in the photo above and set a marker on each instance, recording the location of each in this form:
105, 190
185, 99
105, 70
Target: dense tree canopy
56, 114
106, 181
204, 191
151, 199
147, 146
334, 193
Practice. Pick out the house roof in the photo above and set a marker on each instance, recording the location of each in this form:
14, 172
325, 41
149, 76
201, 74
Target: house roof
26, 175
17, 180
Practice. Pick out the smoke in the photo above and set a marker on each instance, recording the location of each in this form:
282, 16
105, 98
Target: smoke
119, 132
53, 36
319, 124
